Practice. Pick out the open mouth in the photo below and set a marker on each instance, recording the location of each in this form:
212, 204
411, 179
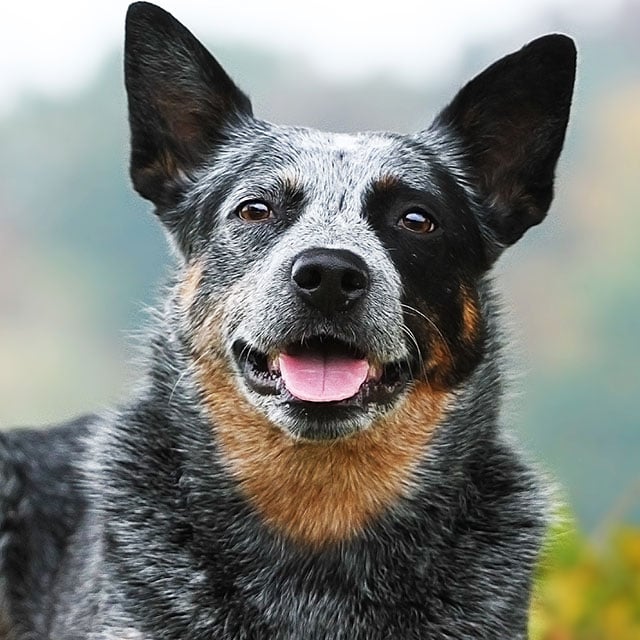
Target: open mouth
321, 370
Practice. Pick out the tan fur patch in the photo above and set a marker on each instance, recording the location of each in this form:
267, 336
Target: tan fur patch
319, 493
386, 182
471, 318
188, 287
440, 362
314, 492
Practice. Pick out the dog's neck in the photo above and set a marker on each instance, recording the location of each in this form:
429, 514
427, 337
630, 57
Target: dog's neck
318, 493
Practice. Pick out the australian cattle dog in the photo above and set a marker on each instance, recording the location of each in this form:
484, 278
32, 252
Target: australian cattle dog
316, 450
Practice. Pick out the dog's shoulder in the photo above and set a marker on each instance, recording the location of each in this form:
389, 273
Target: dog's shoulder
40, 506
33, 459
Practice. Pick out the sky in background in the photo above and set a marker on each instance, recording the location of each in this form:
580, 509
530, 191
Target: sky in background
54, 47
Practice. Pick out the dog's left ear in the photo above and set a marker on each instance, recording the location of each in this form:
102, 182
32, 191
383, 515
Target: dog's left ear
181, 102
511, 120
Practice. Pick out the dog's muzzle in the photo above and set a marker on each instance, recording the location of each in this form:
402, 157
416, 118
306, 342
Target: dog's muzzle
325, 361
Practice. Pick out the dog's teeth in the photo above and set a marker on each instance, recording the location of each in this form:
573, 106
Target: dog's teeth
375, 373
272, 364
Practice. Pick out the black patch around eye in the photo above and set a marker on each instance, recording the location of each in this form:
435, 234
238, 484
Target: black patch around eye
388, 200
433, 267
453, 242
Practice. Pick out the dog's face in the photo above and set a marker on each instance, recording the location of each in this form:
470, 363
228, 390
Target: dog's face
328, 276
344, 266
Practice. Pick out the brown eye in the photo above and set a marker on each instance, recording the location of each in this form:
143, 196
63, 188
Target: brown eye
417, 222
255, 211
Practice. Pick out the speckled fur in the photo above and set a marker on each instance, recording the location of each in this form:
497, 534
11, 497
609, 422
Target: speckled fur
175, 517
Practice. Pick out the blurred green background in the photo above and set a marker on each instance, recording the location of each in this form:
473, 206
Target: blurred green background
81, 257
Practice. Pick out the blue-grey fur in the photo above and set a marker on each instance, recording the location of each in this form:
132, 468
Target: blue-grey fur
131, 526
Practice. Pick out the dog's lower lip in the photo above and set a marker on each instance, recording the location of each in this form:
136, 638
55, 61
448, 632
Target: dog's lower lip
262, 374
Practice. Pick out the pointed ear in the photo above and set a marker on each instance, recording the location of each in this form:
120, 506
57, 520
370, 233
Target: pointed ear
181, 102
511, 119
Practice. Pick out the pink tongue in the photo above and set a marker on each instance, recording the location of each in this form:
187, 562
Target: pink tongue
317, 377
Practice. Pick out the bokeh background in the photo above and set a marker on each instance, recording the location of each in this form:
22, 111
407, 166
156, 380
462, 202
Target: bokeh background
81, 257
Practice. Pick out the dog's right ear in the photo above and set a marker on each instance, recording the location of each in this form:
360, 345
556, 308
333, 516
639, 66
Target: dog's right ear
511, 121
181, 102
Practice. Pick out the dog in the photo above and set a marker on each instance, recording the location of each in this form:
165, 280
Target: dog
316, 450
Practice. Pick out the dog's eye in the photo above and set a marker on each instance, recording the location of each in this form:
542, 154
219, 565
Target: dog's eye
417, 221
255, 211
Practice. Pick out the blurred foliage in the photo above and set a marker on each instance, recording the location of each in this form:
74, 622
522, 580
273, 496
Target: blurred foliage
588, 590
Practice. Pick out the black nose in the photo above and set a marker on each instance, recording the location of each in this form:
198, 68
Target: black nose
329, 279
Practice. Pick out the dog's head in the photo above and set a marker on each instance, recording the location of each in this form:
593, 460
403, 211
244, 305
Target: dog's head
326, 277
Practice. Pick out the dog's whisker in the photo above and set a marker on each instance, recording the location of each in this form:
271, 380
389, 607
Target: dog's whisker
431, 323
177, 383
191, 368
419, 356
